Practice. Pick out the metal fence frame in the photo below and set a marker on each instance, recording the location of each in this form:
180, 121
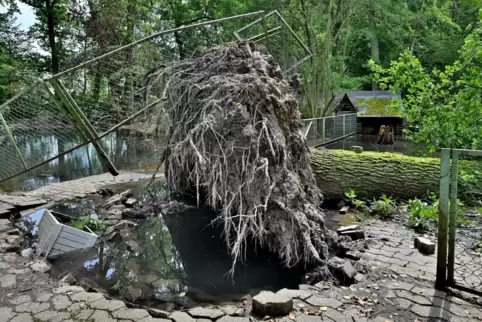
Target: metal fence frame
449, 168
73, 115
314, 126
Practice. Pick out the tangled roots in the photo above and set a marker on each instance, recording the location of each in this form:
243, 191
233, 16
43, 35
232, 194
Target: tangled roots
236, 142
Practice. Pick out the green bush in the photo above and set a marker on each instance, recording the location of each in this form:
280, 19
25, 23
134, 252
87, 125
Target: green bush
422, 214
95, 225
384, 208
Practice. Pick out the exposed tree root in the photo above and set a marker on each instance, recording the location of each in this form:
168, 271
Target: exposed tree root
236, 142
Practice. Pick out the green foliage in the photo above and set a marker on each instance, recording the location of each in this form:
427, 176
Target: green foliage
357, 203
378, 106
384, 207
439, 105
95, 225
422, 215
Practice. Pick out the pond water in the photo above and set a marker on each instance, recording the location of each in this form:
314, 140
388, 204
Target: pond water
127, 152
368, 142
178, 260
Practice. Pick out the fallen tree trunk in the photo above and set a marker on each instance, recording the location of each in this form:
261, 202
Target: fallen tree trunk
373, 174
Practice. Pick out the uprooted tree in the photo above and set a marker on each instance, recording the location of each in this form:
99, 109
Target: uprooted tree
236, 142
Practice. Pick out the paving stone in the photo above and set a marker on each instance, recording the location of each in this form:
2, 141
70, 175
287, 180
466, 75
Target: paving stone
403, 303
83, 314
201, 312
32, 307
381, 319
430, 292
182, 317
158, 313
300, 294
232, 310
86, 297
19, 271
334, 315
44, 297
104, 304
419, 299
307, 318
151, 319
399, 285
8, 281
7, 313
21, 299
61, 302
101, 316
52, 316
324, 301
130, 314
269, 303
228, 318
23, 317
430, 312
424, 245
68, 289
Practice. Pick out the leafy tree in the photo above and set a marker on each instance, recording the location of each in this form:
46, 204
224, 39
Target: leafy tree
442, 107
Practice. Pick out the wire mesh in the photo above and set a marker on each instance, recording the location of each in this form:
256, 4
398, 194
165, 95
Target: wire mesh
112, 88
34, 129
467, 272
324, 130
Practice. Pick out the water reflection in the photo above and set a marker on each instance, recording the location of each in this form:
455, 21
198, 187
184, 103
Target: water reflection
126, 151
180, 259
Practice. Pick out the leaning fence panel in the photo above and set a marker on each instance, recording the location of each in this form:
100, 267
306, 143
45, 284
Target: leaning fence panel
33, 129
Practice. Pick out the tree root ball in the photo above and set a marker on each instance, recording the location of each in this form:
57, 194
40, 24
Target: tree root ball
236, 142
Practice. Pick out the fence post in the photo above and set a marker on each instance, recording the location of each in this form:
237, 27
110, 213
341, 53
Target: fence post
323, 133
315, 131
440, 282
453, 217
344, 129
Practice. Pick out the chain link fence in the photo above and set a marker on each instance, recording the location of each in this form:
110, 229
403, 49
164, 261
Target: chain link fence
34, 129
460, 221
122, 89
325, 130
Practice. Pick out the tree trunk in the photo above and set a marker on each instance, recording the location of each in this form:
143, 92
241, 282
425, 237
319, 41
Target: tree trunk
375, 47
373, 174
49, 5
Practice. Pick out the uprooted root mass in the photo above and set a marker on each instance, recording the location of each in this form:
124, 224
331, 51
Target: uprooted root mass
237, 142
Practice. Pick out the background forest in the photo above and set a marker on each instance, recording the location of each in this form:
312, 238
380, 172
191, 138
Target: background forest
429, 50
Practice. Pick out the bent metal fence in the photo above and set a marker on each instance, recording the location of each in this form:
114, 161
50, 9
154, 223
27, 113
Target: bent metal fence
90, 100
324, 130
459, 261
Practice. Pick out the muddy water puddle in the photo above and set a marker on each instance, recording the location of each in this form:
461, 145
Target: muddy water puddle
175, 262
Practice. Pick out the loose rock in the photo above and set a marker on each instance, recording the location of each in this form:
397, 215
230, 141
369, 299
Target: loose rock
344, 210
424, 245
269, 303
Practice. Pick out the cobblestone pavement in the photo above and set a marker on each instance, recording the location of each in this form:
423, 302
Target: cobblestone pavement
398, 287
81, 187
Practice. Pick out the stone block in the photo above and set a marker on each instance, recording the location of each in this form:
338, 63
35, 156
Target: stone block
269, 303
343, 270
424, 245
344, 210
347, 228
353, 234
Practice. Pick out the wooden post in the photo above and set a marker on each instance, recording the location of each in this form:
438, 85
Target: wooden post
81, 121
453, 217
344, 130
10, 136
440, 282
315, 131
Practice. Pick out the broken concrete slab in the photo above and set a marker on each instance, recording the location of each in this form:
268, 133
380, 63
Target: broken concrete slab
344, 210
201, 312
269, 303
130, 202
342, 269
39, 266
424, 245
300, 294
353, 234
347, 228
